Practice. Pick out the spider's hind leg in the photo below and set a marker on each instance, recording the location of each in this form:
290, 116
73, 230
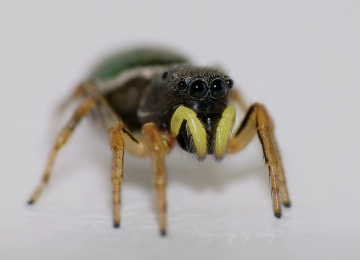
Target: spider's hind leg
62, 138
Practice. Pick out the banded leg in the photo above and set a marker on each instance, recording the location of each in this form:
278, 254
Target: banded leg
156, 148
258, 121
63, 137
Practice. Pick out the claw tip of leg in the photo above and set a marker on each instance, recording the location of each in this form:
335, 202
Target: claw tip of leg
116, 225
278, 215
30, 202
287, 204
163, 233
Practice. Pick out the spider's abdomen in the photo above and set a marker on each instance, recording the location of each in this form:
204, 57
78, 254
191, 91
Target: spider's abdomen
135, 58
124, 79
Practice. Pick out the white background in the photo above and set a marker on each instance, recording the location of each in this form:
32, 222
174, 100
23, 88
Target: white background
300, 58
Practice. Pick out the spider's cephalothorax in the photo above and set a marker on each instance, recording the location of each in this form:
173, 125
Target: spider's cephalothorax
192, 103
150, 99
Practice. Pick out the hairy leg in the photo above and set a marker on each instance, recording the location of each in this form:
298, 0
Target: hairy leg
257, 120
63, 137
156, 148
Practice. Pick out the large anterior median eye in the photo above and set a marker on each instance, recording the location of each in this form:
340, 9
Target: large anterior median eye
218, 88
198, 88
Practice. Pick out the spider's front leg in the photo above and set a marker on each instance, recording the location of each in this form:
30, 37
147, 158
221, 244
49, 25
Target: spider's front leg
257, 120
153, 144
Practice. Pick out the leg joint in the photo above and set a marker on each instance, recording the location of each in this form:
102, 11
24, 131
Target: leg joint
116, 140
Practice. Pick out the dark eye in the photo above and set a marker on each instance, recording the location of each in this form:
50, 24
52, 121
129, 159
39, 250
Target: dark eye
230, 83
218, 88
198, 89
182, 85
165, 75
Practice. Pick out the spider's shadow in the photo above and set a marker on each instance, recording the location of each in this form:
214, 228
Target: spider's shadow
185, 169
200, 176
182, 168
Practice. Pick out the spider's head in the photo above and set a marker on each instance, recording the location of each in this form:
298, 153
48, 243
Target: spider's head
201, 118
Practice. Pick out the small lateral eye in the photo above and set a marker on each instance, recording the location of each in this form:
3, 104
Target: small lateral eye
230, 83
218, 88
182, 84
165, 75
198, 88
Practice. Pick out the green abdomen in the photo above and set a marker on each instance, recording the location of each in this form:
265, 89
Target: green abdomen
119, 62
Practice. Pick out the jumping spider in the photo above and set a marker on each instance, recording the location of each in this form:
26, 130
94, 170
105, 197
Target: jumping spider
151, 99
